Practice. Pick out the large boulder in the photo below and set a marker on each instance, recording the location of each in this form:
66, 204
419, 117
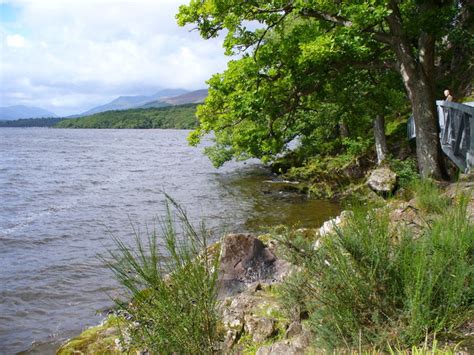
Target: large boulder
382, 180
244, 259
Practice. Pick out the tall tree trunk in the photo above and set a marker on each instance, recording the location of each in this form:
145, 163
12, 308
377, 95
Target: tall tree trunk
418, 78
380, 140
428, 147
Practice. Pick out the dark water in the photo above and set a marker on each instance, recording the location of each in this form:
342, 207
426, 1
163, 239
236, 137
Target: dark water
62, 194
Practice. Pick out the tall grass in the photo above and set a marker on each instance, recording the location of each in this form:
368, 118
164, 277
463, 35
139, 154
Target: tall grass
428, 196
366, 285
173, 296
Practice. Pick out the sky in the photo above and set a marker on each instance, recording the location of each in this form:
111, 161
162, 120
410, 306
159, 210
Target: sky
67, 56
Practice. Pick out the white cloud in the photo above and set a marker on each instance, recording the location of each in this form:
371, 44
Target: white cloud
76, 54
16, 41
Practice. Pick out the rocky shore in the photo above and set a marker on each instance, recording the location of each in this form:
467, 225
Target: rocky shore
251, 272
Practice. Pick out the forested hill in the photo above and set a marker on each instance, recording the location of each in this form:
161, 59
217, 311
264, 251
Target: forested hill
181, 117
32, 122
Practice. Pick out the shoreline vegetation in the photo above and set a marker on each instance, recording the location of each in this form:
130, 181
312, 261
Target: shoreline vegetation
394, 275
179, 117
394, 272
169, 117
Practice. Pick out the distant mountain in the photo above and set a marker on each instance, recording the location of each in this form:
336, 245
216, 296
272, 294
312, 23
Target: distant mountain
20, 111
193, 97
127, 102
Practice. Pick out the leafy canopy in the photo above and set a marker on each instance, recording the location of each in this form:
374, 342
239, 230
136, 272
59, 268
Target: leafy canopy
305, 67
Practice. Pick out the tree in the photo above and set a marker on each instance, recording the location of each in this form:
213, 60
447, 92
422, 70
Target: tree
317, 37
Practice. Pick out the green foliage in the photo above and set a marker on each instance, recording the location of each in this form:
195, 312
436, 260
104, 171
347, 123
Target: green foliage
364, 287
438, 274
330, 175
293, 299
358, 146
181, 117
298, 83
406, 171
306, 69
428, 196
173, 296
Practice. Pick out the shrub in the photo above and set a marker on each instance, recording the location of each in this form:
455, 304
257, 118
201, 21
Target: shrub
365, 286
356, 147
405, 170
173, 297
437, 273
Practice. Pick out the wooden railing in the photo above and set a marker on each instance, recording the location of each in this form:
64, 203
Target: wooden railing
456, 122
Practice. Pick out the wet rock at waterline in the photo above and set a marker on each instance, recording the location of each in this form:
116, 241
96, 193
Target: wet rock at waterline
382, 180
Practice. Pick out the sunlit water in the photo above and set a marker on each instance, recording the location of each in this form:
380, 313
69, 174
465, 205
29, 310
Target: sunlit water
63, 193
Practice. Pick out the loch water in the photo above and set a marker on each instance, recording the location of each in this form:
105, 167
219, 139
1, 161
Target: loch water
64, 193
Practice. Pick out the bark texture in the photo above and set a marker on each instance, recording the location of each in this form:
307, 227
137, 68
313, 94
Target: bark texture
417, 75
380, 139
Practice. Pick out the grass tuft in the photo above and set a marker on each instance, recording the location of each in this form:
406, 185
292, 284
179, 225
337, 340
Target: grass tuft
428, 196
173, 307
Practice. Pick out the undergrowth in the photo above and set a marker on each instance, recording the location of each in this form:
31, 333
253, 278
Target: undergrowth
366, 286
406, 171
428, 196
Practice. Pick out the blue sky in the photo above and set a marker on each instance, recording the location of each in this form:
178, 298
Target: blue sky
68, 55
8, 13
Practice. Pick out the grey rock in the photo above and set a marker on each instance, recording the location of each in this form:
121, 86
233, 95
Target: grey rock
293, 330
264, 350
260, 328
382, 180
280, 348
330, 226
303, 340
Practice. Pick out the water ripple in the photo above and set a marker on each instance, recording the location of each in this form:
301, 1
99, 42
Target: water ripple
63, 192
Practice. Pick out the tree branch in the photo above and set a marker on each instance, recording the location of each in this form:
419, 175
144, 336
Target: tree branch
259, 42
338, 20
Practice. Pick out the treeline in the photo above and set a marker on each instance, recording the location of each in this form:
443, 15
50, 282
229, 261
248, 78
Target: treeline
180, 117
32, 122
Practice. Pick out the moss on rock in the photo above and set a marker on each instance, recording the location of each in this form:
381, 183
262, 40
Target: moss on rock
100, 339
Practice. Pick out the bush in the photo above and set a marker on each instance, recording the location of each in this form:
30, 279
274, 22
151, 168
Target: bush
365, 286
173, 297
406, 171
356, 147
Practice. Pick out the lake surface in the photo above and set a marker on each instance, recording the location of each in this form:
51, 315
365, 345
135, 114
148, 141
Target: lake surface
63, 193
